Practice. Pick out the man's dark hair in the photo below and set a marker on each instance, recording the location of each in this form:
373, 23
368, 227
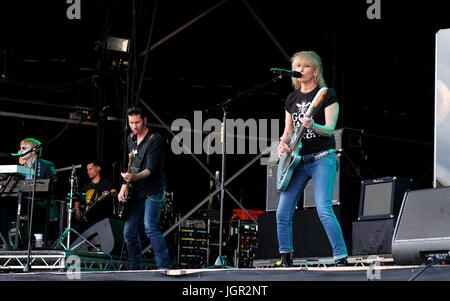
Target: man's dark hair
94, 162
136, 111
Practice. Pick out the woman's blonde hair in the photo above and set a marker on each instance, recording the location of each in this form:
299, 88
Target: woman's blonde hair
312, 58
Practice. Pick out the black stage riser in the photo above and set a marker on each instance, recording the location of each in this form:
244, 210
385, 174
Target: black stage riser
309, 236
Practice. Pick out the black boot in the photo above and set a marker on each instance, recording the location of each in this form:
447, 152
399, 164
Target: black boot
341, 262
285, 261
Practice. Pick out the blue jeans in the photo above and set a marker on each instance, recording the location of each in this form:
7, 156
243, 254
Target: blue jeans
323, 173
149, 210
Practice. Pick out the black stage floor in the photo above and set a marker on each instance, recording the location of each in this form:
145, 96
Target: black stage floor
383, 273
348, 283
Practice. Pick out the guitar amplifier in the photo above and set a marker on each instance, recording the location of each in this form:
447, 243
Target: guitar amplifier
382, 197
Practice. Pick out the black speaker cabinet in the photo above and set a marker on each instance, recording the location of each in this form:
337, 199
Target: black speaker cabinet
106, 235
423, 226
381, 198
373, 237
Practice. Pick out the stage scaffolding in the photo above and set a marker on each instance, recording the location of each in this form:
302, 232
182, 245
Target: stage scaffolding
57, 260
324, 262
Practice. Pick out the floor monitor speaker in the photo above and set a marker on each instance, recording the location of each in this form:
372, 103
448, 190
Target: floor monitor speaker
423, 226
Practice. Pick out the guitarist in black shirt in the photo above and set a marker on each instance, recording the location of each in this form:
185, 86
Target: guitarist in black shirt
147, 195
317, 155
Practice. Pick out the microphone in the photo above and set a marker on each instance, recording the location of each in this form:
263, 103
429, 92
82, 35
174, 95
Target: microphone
286, 72
27, 152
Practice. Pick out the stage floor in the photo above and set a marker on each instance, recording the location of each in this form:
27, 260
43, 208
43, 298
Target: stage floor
52, 265
232, 283
386, 273
351, 273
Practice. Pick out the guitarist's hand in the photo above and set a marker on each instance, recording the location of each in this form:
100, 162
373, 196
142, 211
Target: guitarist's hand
129, 177
122, 194
307, 122
283, 148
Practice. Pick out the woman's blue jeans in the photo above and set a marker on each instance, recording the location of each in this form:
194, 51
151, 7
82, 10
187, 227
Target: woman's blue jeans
149, 210
323, 173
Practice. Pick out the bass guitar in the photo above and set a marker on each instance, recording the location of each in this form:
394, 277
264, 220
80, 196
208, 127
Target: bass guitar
123, 206
289, 161
93, 204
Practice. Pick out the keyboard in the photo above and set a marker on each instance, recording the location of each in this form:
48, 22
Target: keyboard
16, 170
10, 188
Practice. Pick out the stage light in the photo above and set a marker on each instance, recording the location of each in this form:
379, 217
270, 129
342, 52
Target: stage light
118, 44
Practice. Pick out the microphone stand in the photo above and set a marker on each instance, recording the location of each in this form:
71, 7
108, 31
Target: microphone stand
220, 261
27, 267
66, 234
73, 185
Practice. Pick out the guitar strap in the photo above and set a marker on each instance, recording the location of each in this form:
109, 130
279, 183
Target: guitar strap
319, 107
311, 110
316, 97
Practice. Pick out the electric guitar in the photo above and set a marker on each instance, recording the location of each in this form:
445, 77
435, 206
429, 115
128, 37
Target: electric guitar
123, 206
87, 209
289, 161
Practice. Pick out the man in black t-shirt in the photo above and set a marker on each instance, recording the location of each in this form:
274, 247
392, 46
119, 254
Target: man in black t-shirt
147, 196
98, 196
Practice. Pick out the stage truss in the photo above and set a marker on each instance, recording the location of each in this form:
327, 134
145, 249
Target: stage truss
363, 261
57, 260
